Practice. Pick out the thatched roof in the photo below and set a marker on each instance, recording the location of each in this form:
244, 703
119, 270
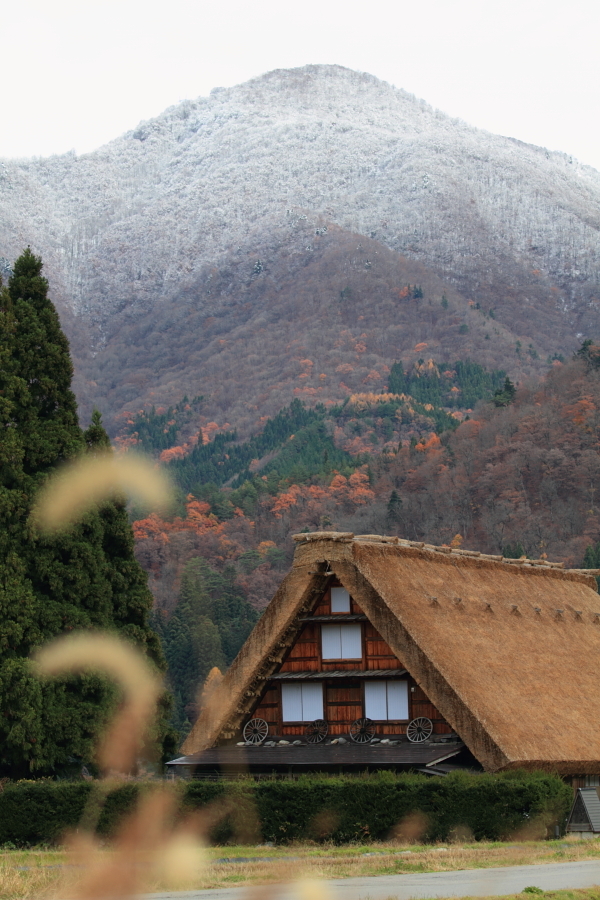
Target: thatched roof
507, 650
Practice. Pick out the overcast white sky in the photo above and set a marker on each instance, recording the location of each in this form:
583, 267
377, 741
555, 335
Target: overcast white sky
77, 73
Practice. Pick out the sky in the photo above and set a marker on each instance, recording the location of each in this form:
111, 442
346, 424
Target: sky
78, 73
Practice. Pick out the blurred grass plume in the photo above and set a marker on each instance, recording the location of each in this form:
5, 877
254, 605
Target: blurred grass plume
83, 483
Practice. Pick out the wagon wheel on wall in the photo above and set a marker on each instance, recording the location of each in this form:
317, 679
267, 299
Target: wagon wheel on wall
255, 731
362, 731
419, 730
316, 731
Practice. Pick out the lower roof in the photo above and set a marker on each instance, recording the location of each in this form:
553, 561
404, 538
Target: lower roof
337, 673
323, 756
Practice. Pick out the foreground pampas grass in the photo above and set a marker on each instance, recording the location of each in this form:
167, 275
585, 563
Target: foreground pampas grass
83, 483
152, 847
148, 852
156, 848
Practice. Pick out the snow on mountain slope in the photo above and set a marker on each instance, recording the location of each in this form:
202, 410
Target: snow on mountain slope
120, 226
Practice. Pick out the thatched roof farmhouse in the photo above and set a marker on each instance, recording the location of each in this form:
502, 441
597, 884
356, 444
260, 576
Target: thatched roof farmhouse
496, 660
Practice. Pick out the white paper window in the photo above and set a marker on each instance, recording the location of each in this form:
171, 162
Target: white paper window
291, 702
351, 641
312, 701
397, 699
340, 600
341, 642
376, 700
331, 642
386, 700
302, 702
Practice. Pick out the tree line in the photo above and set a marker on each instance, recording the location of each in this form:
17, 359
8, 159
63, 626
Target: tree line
84, 578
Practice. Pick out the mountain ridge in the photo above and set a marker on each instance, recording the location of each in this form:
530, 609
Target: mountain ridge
144, 220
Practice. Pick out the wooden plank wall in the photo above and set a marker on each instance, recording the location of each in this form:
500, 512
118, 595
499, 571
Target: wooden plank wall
343, 699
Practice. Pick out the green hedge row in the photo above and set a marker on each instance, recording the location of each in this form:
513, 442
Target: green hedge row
40, 812
339, 808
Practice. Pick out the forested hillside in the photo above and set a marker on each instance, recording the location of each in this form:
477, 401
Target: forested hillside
516, 474
323, 317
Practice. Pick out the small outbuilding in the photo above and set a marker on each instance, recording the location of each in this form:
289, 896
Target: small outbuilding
378, 652
584, 818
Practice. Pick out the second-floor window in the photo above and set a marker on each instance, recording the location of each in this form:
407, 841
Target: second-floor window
341, 641
386, 700
302, 702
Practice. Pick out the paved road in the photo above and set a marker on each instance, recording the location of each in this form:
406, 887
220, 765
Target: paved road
467, 882
464, 883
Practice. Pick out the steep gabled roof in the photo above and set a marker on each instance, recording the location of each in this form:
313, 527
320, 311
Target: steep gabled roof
507, 650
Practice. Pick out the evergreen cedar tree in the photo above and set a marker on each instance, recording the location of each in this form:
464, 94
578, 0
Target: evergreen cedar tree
505, 395
590, 354
86, 578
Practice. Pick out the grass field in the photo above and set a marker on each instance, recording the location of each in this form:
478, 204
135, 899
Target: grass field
44, 873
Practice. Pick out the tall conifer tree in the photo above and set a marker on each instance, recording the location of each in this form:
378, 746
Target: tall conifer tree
84, 578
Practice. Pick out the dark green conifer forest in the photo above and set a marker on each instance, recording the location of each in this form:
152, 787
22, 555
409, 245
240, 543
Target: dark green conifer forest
85, 578
207, 628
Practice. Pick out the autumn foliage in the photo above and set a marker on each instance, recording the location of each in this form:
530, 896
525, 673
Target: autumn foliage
522, 475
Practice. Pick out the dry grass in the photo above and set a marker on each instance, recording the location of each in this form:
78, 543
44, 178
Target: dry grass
592, 893
387, 859
29, 873
38, 873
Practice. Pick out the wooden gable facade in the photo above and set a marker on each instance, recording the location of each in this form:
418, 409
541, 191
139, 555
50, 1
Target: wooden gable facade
345, 682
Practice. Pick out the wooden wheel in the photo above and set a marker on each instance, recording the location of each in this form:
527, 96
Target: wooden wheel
362, 731
255, 731
419, 730
316, 731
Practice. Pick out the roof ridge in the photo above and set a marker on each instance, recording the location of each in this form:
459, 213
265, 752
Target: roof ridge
349, 537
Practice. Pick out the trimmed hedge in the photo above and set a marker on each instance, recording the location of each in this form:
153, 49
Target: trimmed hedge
378, 806
337, 808
484, 807
40, 811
